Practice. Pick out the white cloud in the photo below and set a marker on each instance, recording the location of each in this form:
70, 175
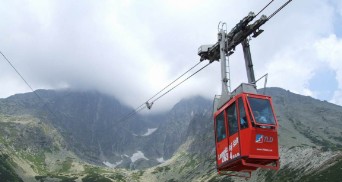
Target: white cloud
8, 84
288, 53
132, 49
329, 51
292, 69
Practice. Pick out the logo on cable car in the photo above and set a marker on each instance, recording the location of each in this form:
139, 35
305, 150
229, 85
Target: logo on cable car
261, 139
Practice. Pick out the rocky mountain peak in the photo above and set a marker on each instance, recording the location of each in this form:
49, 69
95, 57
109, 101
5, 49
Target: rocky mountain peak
85, 129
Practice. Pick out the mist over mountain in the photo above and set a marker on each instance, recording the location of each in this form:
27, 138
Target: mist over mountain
79, 136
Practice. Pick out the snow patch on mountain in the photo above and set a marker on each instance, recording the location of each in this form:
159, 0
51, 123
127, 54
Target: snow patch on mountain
108, 164
125, 155
138, 155
161, 160
149, 131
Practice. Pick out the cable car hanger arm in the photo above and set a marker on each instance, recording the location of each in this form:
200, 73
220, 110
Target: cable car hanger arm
239, 33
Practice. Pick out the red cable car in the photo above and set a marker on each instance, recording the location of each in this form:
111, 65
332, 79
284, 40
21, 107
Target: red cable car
245, 125
246, 134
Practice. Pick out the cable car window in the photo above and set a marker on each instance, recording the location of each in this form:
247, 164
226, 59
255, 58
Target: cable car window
262, 110
243, 117
220, 127
232, 121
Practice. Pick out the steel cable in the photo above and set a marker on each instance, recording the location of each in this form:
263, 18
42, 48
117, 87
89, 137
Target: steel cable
181, 82
140, 108
144, 104
21, 76
281, 7
263, 8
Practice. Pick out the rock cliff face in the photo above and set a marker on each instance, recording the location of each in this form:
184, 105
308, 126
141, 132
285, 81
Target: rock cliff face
91, 126
74, 135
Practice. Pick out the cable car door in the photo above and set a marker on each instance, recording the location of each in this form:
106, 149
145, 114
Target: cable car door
266, 138
221, 139
234, 140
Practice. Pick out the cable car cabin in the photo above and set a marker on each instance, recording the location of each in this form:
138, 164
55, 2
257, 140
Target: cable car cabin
246, 135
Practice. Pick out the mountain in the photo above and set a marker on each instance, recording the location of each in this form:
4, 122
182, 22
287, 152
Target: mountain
91, 126
74, 135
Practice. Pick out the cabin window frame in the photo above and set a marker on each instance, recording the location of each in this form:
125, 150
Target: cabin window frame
251, 113
222, 131
232, 129
241, 105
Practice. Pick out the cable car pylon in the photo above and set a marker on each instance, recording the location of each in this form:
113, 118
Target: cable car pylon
246, 127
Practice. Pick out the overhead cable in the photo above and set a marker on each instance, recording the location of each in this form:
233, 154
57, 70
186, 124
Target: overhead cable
281, 7
181, 82
21, 76
39, 97
174, 81
263, 8
139, 108
148, 104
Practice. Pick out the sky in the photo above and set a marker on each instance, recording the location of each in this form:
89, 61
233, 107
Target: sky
131, 49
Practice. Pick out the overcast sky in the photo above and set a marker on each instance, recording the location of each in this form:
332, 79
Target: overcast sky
131, 49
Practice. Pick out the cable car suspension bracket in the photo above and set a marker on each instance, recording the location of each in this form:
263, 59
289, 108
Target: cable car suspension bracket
226, 44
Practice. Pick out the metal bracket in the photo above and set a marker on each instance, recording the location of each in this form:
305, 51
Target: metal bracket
149, 105
265, 82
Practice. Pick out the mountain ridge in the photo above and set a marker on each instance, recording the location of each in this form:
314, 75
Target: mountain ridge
179, 146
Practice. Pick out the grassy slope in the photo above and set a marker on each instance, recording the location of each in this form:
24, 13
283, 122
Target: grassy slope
332, 173
7, 173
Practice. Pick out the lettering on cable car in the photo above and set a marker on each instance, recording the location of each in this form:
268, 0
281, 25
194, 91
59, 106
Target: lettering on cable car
265, 150
261, 139
232, 145
224, 155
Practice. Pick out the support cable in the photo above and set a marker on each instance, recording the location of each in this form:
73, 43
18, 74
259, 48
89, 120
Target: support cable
39, 97
263, 8
139, 108
181, 82
281, 7
21, 76
134, 112
148, 104
174, 81
144, 105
